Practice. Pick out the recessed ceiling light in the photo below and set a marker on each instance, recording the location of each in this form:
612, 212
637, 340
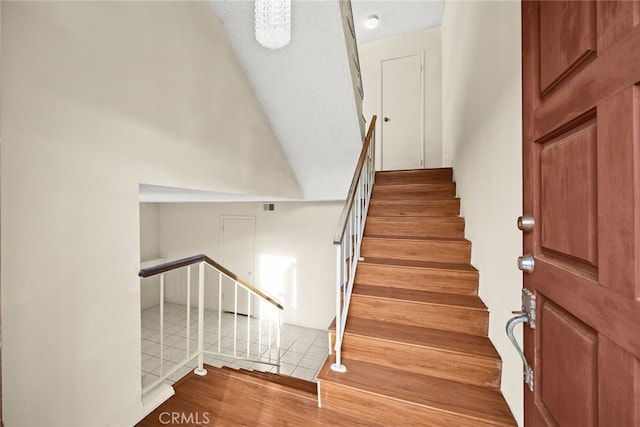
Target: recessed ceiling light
372, 21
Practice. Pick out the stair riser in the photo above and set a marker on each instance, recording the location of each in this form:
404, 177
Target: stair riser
388, 412
417, 250
414, 226
415, 188
414, 195
420, 176
445, 281
449, 207
441, 317
429, 361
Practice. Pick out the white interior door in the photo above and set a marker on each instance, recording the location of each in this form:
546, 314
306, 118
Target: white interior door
402, 113
238, 240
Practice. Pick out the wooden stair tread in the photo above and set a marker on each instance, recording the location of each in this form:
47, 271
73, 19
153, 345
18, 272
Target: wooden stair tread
421, 238
449, 396
415, 186
413, 175
420, 218
412, 201
419, 264
305, 387
413, 295
454, 342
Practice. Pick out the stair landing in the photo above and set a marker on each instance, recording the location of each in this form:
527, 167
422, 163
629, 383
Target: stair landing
229, 397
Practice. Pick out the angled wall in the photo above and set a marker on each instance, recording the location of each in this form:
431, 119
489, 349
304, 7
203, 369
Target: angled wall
98, 97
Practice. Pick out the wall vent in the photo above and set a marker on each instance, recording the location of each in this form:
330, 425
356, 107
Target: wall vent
268, 207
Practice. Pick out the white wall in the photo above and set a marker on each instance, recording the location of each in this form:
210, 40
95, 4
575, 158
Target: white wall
371, 56
300, 231
149, 252
98, 97
482, 134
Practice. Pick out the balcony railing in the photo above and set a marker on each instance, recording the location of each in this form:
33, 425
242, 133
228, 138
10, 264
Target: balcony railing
263, 318
348, 238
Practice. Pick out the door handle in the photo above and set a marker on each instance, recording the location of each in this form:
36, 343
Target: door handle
527, 315
386, 119
527, 372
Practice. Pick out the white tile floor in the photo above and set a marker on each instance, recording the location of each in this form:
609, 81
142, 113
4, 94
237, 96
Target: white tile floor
303, 350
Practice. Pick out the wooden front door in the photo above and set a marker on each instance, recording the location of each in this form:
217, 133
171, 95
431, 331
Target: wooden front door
581, 159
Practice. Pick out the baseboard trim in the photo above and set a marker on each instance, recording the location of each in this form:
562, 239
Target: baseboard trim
150, 401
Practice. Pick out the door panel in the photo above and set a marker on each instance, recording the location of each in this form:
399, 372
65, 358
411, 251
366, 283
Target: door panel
569, 356
574, 24
568, 171
238, 256
581, 175
402, 111
618, 210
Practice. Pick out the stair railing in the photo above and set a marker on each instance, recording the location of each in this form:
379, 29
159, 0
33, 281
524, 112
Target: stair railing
348, 238
267, 317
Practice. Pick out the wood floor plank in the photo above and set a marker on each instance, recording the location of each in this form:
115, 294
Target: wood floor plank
444, 207
417, 248
459, 403
414, 176
449, 341
230, 399
426, 191
418, 308
420, 275
425, 226
435, 298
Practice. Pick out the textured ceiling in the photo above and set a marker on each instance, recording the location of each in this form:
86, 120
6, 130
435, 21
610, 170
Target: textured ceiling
396, 17
305, 88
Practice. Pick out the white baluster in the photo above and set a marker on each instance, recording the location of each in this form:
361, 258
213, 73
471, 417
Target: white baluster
161, 325
235, 319
338, 366
200, 369
278, 344
188, 310
248, 321
219, 312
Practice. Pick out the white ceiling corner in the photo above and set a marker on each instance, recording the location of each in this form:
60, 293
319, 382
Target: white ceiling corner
396, 17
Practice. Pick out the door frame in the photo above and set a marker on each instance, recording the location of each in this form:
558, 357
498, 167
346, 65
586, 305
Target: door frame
251, 218
422, 105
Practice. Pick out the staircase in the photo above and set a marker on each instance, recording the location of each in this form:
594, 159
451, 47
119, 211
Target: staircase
415, 344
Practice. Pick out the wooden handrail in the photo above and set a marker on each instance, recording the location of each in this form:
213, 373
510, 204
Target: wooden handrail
174, 265
342, 224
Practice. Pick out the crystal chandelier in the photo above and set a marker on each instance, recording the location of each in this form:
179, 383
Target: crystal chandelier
273, 23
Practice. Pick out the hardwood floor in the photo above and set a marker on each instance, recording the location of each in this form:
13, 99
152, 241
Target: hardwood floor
229, 397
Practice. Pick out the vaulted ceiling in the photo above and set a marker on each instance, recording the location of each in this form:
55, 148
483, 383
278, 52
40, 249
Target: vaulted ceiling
305, 88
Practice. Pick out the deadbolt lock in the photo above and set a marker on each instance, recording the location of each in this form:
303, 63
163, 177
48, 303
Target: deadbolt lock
526, 223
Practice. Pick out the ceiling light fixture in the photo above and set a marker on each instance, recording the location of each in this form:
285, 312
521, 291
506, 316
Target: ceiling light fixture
372, 21
273, 23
